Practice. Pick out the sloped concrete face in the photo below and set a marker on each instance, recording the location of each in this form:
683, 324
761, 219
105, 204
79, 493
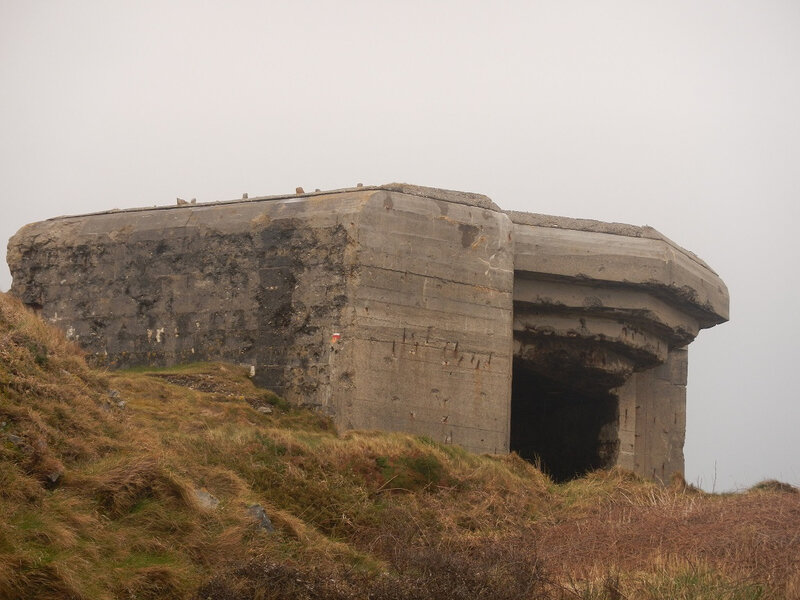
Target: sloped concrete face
399, 307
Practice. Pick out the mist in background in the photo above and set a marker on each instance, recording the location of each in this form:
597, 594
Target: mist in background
680, 115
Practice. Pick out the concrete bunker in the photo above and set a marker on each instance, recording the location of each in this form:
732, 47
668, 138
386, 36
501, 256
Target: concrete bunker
399, 307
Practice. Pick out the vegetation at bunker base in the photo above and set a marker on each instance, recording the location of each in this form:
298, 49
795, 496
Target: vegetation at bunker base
139, 485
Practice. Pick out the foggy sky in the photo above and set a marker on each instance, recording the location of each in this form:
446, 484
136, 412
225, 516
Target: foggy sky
679, 115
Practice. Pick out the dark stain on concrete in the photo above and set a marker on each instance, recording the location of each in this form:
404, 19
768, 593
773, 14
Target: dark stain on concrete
468, 234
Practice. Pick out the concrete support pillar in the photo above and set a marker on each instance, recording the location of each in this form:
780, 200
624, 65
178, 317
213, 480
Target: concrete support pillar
652, 417
626, 458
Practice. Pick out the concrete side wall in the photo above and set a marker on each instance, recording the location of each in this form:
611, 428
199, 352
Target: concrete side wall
253, 283
652, 419
429, 339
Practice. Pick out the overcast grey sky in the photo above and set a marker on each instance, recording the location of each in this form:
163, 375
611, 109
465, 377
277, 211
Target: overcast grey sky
680, 115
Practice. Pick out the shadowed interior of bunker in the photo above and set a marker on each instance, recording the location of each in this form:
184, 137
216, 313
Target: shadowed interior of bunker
564, 417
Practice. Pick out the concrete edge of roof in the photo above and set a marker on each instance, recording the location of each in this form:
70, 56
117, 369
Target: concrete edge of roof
593, 226
468, 198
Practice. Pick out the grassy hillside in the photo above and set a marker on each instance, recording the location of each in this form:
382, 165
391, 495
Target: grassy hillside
192, 483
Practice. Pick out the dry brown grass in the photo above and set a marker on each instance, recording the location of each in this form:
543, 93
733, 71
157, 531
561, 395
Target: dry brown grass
752, 537
100, 500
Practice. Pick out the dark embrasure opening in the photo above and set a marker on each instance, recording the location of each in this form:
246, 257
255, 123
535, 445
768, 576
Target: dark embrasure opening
567, 426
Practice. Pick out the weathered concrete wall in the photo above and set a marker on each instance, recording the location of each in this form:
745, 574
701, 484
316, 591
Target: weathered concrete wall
417, 285
254, 283
428, 342
399, 307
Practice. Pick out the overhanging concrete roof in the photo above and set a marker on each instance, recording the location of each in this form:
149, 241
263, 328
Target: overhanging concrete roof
619, 254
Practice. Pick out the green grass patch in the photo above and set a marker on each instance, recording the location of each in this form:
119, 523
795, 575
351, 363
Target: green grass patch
191, 368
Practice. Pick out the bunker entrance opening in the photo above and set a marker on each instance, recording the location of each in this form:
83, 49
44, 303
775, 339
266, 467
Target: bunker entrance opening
564, 422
